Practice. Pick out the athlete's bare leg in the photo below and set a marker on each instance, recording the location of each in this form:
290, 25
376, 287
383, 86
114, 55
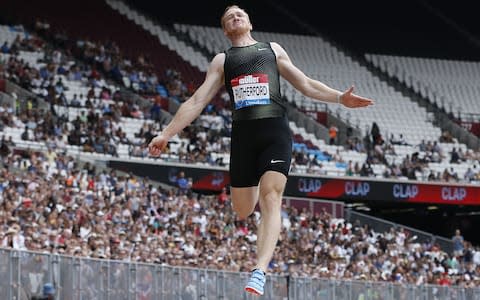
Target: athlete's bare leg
269, 193
272, 185
244, 200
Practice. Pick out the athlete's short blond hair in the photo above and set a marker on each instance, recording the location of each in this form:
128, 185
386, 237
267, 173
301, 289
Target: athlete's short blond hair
222, 20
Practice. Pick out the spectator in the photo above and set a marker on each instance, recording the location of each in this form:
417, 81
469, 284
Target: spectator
5, 49
375, 133
446, 137
458, 243
470, 175
223, 196
332, 133
182, 182
4, 147
350, 170
48, 293
454, 156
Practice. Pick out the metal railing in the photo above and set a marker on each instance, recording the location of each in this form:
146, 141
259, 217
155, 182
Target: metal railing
323, 289
24, 273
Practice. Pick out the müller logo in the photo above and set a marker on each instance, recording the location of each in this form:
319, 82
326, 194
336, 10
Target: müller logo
453, 194
248, 79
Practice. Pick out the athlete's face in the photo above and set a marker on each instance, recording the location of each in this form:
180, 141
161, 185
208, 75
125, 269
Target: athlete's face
235, 22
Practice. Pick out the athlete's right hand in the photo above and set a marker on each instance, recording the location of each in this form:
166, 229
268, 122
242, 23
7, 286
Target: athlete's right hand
157, 145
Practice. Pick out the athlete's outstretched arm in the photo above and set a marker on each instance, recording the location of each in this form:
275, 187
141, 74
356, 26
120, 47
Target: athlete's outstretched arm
192, 108
313, 88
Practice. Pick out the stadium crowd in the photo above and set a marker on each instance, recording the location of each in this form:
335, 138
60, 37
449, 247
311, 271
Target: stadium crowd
51, 203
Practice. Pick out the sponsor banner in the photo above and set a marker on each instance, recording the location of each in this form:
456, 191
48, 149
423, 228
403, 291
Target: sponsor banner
355, 189
209, 179
203, 179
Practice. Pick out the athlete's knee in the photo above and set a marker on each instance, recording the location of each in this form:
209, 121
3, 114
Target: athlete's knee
271, 199
242, 210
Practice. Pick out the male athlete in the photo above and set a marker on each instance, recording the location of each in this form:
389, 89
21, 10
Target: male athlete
261, 141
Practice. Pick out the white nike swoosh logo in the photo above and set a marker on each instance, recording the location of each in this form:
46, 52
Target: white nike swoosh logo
261, 49
276, 161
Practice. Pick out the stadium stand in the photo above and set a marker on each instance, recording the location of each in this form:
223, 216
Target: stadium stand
450, 84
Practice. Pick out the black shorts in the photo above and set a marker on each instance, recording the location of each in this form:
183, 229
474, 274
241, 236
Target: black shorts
258, 146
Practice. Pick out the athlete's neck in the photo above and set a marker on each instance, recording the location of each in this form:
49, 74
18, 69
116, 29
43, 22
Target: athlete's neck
242, 40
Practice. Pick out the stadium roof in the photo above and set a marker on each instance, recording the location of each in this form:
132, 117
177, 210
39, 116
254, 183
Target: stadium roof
415, 28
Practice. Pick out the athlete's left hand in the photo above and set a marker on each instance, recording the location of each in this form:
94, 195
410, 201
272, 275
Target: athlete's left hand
349, 99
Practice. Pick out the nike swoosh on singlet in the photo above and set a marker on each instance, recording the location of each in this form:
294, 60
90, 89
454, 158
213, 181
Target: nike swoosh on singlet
276, 161
261, 49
